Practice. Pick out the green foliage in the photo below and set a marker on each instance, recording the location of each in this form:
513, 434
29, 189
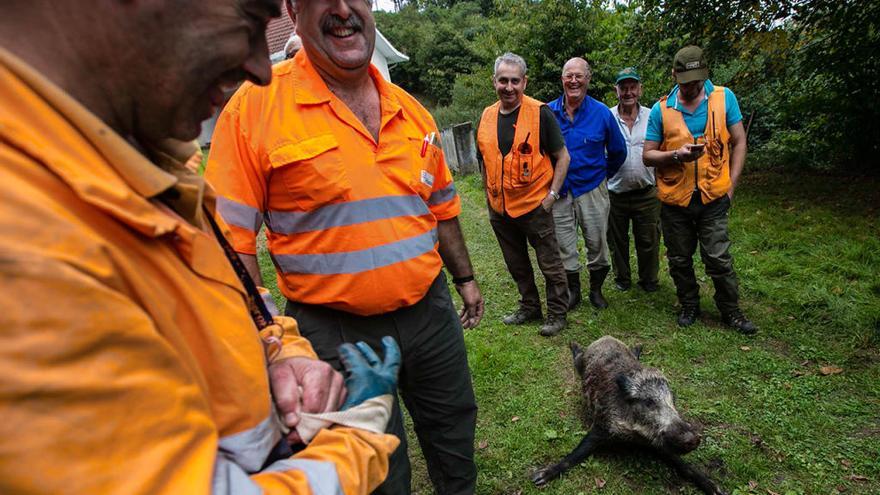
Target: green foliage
806, 72
439, 43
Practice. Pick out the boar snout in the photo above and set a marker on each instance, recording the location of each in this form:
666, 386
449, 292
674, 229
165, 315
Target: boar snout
681, 438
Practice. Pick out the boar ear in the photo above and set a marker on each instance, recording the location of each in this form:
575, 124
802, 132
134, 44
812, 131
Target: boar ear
575, 350
577, 355
637, 351
625, 385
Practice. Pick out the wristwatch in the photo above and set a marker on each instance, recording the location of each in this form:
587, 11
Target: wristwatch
676, 157
554, 194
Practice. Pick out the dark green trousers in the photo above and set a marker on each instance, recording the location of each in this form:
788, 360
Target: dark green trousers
642, 209
683, 228
514, 235
434, 382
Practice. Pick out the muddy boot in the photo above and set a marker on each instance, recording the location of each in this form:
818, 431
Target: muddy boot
553, 325
597, 278
521, 316
574, 289
738, 321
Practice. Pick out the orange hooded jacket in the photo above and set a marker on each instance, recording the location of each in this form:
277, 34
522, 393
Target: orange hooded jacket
128, 359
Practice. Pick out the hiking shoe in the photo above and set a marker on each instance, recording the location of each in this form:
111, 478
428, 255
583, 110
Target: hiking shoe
553, 326
649, 286
521, 316
738, 321
622, 286
688, 315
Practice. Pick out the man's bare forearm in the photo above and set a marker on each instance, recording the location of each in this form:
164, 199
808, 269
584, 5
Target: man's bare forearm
738, 151
453, 250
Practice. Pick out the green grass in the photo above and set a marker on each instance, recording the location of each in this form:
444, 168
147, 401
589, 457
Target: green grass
807, 252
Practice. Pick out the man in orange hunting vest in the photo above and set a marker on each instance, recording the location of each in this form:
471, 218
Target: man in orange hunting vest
525, 162
697, 144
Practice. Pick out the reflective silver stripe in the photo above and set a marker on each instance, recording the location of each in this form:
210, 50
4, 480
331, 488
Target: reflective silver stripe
230, 479
250, 448
342, 214
240, 215
442, 196
358, 261
323, 478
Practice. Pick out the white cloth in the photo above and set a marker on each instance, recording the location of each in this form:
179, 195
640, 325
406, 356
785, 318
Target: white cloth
370, 415
633, 174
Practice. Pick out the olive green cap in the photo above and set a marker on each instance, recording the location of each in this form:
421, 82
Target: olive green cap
690, 65
627, 73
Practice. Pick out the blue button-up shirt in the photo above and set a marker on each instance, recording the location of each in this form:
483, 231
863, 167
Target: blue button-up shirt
594, 141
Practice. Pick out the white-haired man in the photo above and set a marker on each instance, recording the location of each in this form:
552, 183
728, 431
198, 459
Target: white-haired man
524, 163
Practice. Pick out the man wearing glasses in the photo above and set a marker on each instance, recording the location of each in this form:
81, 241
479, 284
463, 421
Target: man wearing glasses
597, 150
525, 162
696, 142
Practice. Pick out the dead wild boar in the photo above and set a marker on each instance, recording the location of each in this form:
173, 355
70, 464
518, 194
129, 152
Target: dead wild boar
629, 405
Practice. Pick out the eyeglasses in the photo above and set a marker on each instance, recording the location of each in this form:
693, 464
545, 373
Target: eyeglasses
574, 77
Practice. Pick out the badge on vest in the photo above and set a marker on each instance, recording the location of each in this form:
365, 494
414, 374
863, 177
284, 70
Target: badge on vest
427, 178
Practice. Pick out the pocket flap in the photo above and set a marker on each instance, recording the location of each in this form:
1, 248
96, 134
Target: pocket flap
303, 150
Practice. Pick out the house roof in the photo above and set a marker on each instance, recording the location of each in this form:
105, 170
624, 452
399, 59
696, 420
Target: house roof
279, 30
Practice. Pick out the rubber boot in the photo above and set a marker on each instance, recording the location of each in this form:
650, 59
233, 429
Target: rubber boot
597, 278
574, 289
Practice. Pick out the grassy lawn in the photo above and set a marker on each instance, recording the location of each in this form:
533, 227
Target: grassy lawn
807, 252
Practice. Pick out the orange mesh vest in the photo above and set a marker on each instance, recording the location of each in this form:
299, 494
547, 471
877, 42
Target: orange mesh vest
518, 182
711, 172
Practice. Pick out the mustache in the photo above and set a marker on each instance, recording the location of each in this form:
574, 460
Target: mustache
334, 21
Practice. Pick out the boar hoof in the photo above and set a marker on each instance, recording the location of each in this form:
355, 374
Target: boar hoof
544, 476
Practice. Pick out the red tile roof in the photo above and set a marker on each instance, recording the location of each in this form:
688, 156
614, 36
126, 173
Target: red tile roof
278, 32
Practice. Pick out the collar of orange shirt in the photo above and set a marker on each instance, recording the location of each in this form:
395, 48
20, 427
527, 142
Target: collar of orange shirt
111, 173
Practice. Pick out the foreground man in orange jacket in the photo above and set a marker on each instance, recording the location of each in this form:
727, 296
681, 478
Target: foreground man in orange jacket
346, 172
128, 358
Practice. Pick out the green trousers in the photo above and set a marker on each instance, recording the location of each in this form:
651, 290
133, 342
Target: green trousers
642, 209
683, 229
434, 382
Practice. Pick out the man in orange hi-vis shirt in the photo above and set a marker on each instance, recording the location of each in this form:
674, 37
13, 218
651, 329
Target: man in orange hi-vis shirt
130, 362
346, 172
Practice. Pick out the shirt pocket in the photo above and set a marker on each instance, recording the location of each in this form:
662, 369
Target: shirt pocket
421, 174
524, 166
594, 145
313, 171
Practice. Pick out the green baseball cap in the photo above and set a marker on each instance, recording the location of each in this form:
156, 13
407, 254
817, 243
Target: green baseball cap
628, 73
689, 65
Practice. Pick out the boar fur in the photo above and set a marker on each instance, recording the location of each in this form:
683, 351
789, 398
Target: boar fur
628, 405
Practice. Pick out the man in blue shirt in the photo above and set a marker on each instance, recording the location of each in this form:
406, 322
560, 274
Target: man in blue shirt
597, 150
697, 145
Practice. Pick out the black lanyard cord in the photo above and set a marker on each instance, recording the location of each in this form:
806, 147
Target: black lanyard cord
259, 312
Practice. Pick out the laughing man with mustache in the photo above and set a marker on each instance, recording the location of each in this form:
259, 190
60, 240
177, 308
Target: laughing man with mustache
346, 172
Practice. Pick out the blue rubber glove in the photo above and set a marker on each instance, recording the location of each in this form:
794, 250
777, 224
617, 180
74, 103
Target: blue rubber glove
367, 376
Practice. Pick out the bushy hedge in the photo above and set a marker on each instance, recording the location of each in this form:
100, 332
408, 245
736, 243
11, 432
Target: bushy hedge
807, 72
